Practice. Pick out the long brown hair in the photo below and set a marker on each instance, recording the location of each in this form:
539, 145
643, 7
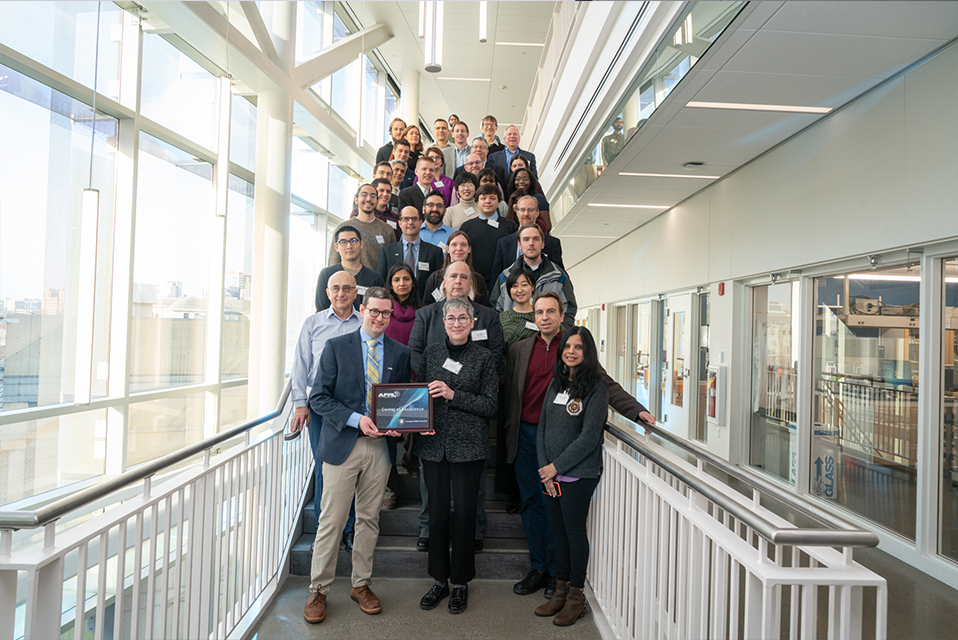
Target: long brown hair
448, 261
413, 148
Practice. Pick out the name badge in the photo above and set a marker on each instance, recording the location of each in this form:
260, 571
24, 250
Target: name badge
391, 223
562, 398
470, 211
442, 245
437, 294
423, 266
480, 334
531, 326
493, 223
361, 290
380, 240
452, 365
438, 183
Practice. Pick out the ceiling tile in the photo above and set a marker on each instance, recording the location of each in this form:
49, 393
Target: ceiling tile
934, 20
772, 88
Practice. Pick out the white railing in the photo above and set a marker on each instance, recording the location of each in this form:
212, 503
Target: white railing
196, 556
678, 554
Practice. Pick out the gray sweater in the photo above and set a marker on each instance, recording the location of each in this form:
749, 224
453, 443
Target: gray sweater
462, 424
573, 443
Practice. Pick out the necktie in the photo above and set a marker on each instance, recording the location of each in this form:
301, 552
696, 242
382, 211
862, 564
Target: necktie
410, 258
372, 374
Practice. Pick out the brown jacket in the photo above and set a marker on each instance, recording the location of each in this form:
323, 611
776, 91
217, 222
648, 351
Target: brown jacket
517, 364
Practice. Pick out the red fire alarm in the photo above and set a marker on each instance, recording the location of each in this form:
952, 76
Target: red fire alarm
603, 306
721, 288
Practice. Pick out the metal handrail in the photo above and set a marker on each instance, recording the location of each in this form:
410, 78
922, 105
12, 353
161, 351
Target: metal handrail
55, 510
839, 532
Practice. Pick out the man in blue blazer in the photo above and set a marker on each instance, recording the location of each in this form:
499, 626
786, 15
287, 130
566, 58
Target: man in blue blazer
354, 457
504, 158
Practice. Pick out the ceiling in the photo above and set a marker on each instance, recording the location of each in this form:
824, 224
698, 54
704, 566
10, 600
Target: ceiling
507, 72
817, 54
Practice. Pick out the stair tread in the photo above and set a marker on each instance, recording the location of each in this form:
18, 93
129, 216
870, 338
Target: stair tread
408, 543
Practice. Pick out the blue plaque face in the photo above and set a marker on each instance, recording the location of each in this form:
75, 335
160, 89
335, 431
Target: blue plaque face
402, 407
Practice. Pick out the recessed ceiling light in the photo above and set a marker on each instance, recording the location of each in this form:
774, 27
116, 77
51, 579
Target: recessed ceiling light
464, 79
666, 175
740, 106
520, 44
630, 206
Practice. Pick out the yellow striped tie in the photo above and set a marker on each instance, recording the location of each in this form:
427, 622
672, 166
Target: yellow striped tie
372, 374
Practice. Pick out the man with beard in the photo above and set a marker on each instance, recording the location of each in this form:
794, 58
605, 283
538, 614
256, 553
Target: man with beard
613, 143
387, 209
433, 230
421, 256
396, 128
374, 233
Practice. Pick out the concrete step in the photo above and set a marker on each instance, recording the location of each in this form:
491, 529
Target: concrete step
397, 557
403, 520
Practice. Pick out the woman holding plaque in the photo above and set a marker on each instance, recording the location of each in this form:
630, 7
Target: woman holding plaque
462, 380
569, 444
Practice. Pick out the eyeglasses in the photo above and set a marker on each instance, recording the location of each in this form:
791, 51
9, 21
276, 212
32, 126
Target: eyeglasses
386, 313
345, 289
433, 205
526, 210
408, 219
450, 320
474, 163
351, 241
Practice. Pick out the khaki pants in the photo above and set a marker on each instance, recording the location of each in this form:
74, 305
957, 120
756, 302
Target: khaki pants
364, 473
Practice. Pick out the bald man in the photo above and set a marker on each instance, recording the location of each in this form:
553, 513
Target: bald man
422, 257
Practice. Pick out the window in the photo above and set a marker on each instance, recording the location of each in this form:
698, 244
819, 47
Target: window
949, 414
700, 428
243, 133
44, 167
865, 407
171, 267
774, 379
342, 190
307, 256
310, 170
643, 355
237, 283
159, 427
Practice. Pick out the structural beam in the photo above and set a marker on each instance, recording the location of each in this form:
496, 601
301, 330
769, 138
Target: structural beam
255, 19
344, 52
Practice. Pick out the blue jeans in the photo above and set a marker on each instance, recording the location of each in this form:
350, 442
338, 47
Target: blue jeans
534, 518
315, 424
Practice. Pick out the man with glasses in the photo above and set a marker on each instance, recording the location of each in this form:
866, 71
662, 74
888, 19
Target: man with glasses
440, 129
374, 233
421, 256
433, 230
489, 127
401, 151
355, 461
478, 159
348, 244
339, 319
508, 250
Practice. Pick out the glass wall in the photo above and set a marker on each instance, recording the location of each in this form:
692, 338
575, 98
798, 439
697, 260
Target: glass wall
949, 414
865, 403
774, 403
238, 284
700, 426
643, 356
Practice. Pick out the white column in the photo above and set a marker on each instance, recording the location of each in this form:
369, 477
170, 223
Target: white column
410, 96
632, 111
274, 125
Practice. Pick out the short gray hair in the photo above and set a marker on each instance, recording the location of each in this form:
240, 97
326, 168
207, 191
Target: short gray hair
373, 293
458, 304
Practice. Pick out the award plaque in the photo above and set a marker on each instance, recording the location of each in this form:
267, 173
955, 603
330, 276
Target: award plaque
406, 408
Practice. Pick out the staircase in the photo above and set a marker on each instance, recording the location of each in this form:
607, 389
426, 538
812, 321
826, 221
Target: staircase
505, 556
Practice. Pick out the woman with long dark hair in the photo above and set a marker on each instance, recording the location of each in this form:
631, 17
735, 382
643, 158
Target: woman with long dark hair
569, 444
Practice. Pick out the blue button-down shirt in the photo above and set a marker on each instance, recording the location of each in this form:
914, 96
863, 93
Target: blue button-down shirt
317, 330
461, 156
439, 237
509, 156
380, 345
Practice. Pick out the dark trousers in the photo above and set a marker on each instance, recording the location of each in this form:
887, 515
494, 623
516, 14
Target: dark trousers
315, 424
534, 518
464, 478
567, 515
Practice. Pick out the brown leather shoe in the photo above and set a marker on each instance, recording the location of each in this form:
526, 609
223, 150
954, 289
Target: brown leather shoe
315, 608
368, 601
389, 503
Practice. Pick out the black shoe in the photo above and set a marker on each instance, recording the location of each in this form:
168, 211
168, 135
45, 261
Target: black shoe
348, 540
480, 545
422, 544
436, 593
533, 581
459, 599
513, 507
550, 587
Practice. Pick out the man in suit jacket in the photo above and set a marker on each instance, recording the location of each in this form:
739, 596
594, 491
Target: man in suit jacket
529, 366
507, 249
454, 156
478, 159
504, 158
415, 195
355, 461
422, 256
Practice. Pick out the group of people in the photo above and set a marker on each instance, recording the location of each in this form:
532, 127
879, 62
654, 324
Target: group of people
472, 301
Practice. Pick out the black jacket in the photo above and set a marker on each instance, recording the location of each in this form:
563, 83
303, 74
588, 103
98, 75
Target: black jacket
507, 247
428, 328
429, 255
412, 197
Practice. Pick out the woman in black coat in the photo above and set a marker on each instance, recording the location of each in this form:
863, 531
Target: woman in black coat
463, 381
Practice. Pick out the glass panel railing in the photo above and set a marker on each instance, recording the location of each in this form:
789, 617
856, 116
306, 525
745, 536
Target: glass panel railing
690, 36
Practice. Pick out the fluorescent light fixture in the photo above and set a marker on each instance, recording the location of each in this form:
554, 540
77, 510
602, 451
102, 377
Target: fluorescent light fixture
464, 79
433, 36
483, 19
592, 237
362, 100
740, 106
86, 296
422, 18
887, 276
666, 175
631, 206
520, 44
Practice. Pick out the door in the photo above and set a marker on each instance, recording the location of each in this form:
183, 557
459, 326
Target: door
676, 363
